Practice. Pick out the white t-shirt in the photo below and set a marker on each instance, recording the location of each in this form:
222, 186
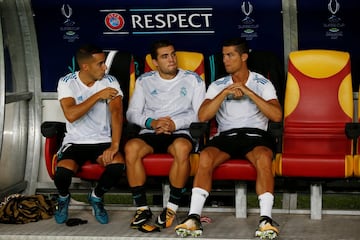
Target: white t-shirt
243, 112
94, 126
178, 98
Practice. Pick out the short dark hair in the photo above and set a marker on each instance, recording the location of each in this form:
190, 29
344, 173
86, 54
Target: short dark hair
159, 44
86, 51
240, 44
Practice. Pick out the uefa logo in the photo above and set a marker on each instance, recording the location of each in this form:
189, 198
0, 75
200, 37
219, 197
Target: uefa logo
114, 21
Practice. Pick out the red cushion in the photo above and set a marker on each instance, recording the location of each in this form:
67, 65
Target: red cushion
160, 164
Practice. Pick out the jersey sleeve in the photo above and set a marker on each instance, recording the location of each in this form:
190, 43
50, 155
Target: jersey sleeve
114, 83
63, 89
134, 113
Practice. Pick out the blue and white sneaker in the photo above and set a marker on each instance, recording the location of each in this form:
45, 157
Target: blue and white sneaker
61, 213
98, 209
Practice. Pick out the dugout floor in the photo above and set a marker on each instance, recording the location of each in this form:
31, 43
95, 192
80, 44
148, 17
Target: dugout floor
224, 225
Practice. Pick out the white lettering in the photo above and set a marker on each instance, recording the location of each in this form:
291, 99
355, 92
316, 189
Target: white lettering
182, 21
192, 24
171, 18
207, 16
159, 19
148, 21
136, 20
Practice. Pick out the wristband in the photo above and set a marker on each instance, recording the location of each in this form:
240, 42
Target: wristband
148, 123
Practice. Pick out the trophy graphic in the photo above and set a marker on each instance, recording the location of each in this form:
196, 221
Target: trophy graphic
247, 12
66, 11
333, 4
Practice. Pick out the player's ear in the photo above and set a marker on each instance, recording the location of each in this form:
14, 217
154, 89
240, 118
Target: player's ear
244, 56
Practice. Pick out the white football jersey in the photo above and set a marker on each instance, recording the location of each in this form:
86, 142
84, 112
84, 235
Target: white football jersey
242, 112
178, 98
94, 126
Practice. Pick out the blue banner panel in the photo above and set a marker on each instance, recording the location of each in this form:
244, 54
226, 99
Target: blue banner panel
331, 24
131, 26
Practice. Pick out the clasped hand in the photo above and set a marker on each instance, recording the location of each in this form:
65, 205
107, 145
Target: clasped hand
236, 90
163, 125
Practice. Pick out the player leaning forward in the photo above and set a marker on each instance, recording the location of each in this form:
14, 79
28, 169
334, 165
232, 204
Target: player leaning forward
243, 103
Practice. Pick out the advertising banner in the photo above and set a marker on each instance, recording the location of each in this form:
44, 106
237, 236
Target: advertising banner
131, 26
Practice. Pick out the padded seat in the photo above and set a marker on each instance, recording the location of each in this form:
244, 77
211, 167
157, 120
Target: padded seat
160, 164
193, 61
356, 146
318, 105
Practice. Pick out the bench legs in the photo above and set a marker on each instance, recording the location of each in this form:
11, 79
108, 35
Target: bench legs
166, 192
240, 199
315, 201
289, 201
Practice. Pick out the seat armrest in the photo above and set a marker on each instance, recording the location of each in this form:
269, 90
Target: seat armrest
132, 130
53, 128
276, 130
198, 129
352, 130
200, 133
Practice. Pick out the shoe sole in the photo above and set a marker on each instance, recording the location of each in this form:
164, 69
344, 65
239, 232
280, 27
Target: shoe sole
60, 222
268, 234
181, 232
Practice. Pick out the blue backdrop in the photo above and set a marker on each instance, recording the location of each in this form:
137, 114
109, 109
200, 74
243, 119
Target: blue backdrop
331, 24
62, 26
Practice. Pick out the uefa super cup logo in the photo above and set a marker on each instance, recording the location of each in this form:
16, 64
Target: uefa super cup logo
333, 7
334, 24
248, 25
66, 11
69, 28
247, 9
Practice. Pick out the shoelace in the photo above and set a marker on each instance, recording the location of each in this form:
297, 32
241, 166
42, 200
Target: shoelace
276, 224
100, 206
138, 213
169, 214
61, 205
271, 221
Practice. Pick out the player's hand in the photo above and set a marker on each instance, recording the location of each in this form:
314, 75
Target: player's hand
235, 90
164, 125
107, 157
108, 93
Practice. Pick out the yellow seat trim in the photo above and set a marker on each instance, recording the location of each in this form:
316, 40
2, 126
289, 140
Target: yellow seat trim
330, 62
186, 60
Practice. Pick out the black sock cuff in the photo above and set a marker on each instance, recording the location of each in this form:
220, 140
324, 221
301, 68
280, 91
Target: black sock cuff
62, 180
139, 195
176, 194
